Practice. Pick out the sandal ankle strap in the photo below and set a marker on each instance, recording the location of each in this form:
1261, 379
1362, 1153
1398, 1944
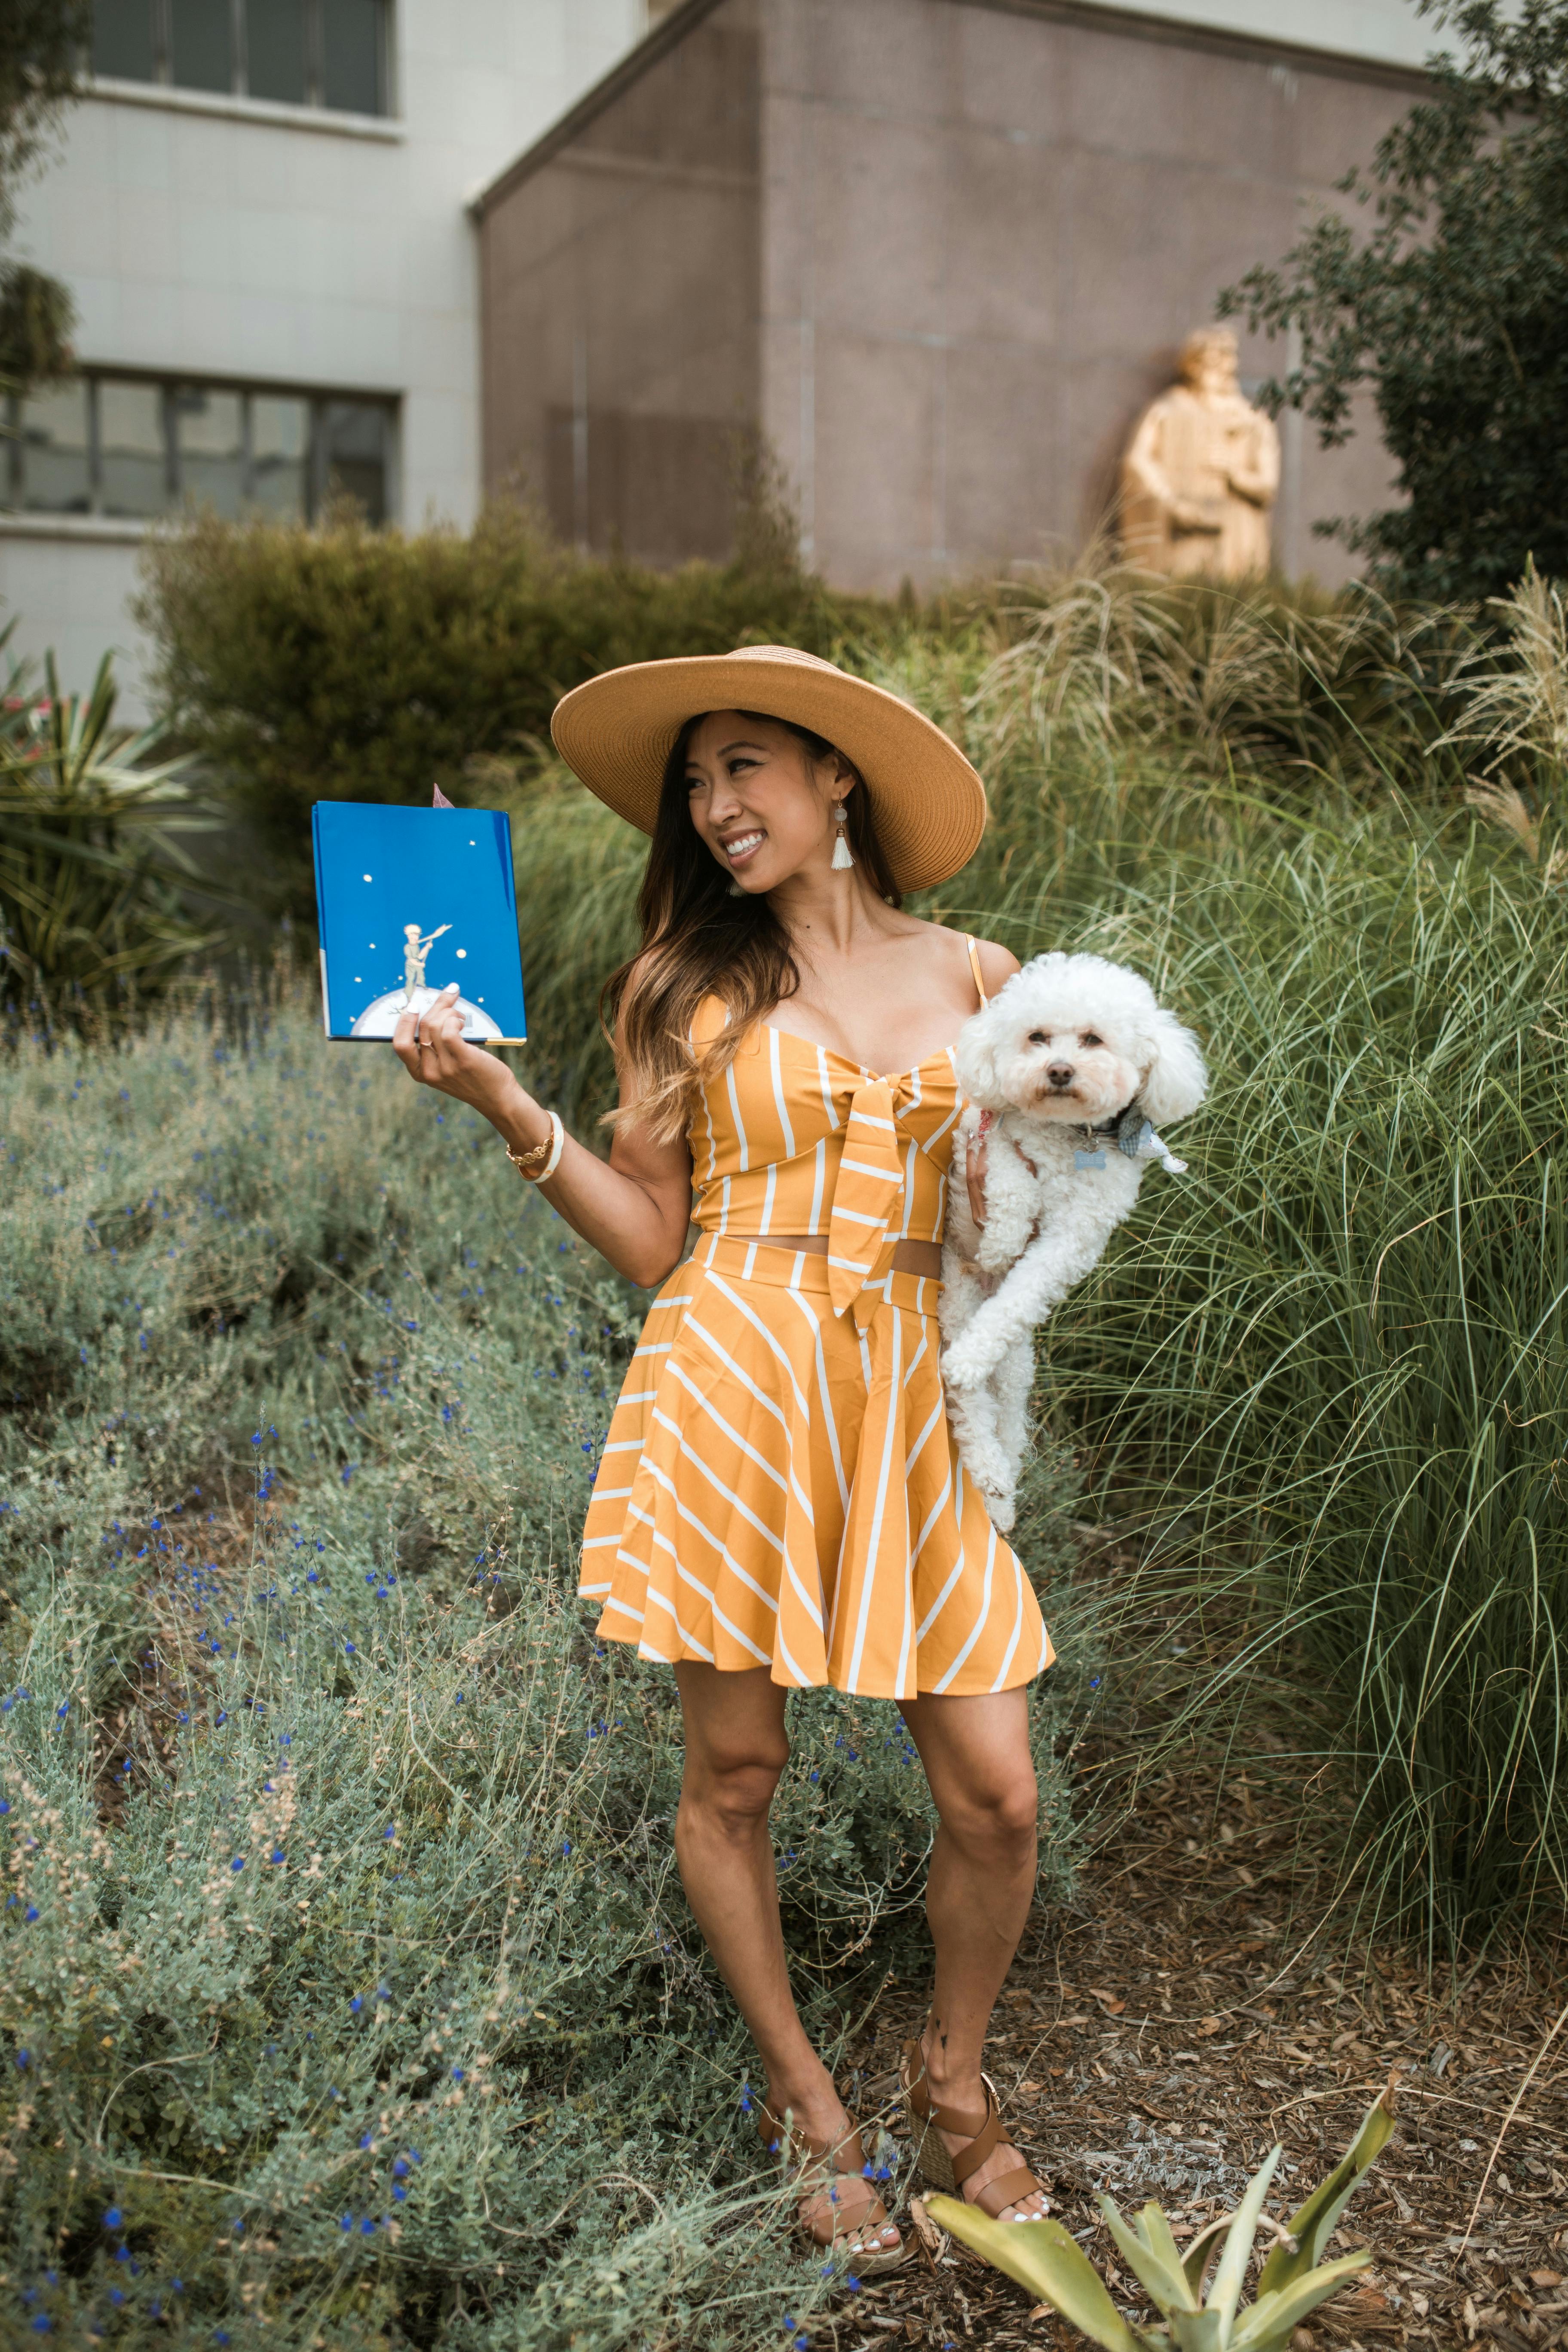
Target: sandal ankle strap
1009, 2188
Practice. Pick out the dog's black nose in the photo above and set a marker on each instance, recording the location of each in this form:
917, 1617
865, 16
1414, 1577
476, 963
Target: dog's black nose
1060, 1074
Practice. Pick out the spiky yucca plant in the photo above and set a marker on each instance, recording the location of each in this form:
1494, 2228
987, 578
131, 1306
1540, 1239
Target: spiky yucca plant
1044, 2258
95, 882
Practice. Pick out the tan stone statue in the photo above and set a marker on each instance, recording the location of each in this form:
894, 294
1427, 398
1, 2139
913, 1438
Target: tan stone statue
1201, 470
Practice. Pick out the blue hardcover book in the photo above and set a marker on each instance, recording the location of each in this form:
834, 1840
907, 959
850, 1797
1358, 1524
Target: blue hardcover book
409, 899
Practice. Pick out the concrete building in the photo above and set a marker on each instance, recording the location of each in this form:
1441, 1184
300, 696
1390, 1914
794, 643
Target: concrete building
260, 208
934, 250
938, 253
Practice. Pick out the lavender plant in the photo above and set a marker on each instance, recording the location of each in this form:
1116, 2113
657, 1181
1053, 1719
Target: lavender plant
348, 1995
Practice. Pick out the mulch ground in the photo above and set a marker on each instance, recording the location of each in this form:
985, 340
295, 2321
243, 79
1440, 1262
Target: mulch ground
1203, 1999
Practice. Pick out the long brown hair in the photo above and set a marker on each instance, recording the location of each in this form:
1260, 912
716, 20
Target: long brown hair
698, 942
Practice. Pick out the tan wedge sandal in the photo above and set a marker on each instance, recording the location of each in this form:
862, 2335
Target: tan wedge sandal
939, 2167
815, 2177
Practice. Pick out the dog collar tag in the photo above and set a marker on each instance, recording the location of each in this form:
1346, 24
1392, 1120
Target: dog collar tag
1088, 1158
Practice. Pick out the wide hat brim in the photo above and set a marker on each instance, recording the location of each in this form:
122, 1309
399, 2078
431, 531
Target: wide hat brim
616, 732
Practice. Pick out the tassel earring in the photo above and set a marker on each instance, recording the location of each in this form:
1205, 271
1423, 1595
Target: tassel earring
842, 857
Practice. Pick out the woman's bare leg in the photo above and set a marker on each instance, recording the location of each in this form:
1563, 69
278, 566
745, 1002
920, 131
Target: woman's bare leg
735, 1751
976, 1757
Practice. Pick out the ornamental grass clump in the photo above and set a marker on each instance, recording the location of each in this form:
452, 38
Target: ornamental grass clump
1044, 2257
347, 1990
1331, 1365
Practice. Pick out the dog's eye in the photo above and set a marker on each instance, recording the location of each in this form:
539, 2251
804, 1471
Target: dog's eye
1039, 1037
1088, 1038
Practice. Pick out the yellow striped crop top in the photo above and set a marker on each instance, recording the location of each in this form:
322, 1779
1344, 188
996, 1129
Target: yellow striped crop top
795, 1139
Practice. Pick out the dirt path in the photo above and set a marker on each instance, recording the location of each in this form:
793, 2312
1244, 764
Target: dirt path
1168, 2029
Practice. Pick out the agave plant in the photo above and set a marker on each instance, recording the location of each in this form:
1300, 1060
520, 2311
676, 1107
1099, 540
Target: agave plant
1044, 2257
93, 883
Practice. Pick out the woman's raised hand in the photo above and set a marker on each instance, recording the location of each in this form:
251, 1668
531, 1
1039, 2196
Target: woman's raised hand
432, 1049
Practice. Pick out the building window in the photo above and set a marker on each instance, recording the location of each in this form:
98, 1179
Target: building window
328, 53
138, 447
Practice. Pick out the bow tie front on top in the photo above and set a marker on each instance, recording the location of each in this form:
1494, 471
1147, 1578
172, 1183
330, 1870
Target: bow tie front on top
865, 1226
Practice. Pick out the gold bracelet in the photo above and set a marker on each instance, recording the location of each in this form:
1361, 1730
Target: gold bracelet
528, 1163
544, 1158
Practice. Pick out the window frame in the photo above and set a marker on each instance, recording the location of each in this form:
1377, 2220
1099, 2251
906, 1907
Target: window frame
169, 384
162, 18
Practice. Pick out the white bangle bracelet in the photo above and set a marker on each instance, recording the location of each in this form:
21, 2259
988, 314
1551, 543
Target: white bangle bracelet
557, 1146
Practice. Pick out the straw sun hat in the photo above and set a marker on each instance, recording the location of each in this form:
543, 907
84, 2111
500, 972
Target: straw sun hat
618, 729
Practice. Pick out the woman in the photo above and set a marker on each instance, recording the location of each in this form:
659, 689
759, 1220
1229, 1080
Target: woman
780, 1503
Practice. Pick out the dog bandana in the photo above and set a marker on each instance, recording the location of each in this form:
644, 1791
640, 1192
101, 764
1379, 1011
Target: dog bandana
1133, 1136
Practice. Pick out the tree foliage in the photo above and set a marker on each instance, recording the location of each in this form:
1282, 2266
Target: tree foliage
1450, 310
42, 43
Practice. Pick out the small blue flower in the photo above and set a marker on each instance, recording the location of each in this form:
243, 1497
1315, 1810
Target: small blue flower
32, 1913
4, 1804
399, 2192
366, 2141
61, 1712
355, 2005
390, 1831
367, 2227
346, 2221
238, 1863
400, 2169
113, 2218
457, 2075
24, 2060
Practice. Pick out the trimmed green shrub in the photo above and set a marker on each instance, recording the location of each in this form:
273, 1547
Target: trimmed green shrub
351, 664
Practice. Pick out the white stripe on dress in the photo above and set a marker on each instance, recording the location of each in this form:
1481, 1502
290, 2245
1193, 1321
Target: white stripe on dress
815, 1225
1017, 1625
824, 1397
706, 1470
784, 1128
742, 1445
827, 1085
742, 1143
873, 1547
982, 1615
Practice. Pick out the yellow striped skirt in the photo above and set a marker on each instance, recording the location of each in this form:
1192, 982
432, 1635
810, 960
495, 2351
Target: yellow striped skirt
780, 1489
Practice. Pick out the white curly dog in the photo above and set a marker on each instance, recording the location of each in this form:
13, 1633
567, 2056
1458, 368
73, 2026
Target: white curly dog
1066, 1073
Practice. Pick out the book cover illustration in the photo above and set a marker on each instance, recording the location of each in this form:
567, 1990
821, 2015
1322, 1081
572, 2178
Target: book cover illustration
408, 900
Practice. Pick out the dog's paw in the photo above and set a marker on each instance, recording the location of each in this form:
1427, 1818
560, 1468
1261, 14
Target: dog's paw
1001, 1507
969, 1363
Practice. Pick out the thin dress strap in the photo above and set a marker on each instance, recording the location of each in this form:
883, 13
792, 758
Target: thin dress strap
974, 967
